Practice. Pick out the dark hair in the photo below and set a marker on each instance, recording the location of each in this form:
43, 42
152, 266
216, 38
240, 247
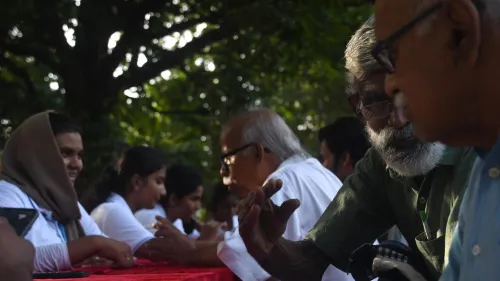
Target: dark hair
181, 180
62, 123
345, 135
138, 160
220, 193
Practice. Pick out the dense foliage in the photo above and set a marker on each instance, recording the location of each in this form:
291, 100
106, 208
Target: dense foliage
168, 73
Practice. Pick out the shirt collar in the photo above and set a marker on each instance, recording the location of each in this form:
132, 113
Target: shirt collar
451, 156
492, 155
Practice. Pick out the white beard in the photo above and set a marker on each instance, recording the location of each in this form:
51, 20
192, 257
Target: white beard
418, 160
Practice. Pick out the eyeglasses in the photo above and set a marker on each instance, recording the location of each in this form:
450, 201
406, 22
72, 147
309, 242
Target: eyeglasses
381, 52
225, 158
372, 111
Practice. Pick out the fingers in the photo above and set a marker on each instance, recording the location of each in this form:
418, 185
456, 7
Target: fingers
249, 222
161, 220
286, 209
271, 187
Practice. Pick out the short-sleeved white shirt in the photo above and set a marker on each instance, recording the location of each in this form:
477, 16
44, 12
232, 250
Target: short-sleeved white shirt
45, 230
116, 220
315, 187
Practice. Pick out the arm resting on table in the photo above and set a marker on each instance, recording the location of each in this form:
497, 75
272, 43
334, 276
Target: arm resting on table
296, 261
83, 248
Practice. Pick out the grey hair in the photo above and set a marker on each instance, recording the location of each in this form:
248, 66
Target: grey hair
270, 130
359, 61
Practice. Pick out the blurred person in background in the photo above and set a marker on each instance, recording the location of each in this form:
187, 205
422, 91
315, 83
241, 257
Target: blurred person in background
40, 163
223, 206
342, 144
417, 186
184, 192
136, 182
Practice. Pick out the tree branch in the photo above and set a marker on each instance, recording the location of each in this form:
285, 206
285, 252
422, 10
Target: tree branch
131, 39
171, 59
20, 73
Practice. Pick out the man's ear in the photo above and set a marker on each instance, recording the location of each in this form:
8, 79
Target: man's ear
346, 160
259, 152
465, 22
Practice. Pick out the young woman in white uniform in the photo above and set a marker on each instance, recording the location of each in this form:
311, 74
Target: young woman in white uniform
40, 163
184, 186
137, 182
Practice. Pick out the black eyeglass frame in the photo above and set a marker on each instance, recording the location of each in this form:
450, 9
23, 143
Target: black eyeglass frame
236, 151
380, 51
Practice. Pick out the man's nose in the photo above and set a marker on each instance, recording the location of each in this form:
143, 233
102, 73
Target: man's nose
390, 85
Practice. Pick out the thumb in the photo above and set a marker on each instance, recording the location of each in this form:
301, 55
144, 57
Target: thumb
286, 209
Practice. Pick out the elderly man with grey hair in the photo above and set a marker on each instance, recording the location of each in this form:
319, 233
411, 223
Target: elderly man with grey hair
443, 54
258, 146
401, 181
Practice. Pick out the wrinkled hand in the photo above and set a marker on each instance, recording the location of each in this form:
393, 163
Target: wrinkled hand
210, 230
16, 260
117, 252
261, 222
173, 245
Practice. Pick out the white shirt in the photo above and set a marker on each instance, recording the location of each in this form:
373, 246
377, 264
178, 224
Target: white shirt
45, 234
315, 187
147, 217
116, 220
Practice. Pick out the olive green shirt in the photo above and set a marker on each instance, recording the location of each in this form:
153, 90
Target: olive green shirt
374, 199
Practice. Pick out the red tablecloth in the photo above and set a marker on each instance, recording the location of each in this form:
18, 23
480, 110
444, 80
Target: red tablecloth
148, 271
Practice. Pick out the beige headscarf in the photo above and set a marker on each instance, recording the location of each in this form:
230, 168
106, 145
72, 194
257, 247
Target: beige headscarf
31, 160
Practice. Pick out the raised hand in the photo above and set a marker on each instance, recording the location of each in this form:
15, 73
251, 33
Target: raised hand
261, 222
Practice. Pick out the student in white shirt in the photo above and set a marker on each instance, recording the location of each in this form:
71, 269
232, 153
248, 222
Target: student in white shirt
137, 182
258, 146
40, 163
223, 206
184, 186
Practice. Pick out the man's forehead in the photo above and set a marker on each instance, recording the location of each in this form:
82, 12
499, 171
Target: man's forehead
391, 15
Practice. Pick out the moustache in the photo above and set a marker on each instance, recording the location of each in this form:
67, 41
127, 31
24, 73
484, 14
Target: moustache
393, 135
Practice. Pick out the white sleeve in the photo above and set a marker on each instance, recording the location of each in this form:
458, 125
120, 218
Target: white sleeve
12, 197
121, 225
51, 258
88, 223
233, 253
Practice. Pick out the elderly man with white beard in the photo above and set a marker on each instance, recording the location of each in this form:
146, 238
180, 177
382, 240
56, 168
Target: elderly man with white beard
401, 181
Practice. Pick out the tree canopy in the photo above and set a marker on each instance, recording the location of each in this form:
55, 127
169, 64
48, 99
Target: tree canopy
169, 73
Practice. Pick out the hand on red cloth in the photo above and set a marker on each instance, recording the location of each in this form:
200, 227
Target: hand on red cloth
174, 246
116, 251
